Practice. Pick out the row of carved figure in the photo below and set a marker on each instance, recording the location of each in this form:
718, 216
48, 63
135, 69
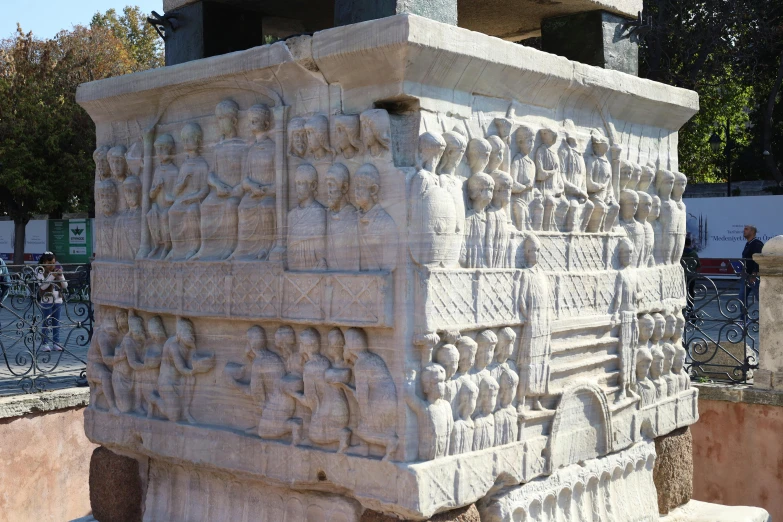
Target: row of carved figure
473, 222
230, 212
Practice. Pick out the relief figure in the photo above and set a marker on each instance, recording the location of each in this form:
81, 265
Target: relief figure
600, 189
378, 236
122, 373
500, 230
642, 215
506, 338
483, 418
669, 354
376, 132
506, 417
107, 198
575, 181
463, 432
656, 370
146, 363
256, 211
454, 184
624, 309
678, 368
664, 245
652, 219
307, 224
275, 386
162, 197
480, 190
448, 357
127, 235
629, 204
681, 216
549, 180
317, 130
100, 357
434, 413
347, 133
644, 386
298, 137
342, 221
523, 171
119, 169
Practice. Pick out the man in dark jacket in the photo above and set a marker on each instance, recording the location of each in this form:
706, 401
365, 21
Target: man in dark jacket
753, 246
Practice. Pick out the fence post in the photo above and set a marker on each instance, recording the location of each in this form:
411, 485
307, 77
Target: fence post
769, 376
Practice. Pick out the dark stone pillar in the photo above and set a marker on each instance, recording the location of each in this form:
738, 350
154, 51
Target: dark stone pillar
354, 11
673, 471
464, 514
116, 492
596, 38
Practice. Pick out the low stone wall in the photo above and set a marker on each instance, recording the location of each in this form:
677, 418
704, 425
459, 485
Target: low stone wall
45, 461
737, 451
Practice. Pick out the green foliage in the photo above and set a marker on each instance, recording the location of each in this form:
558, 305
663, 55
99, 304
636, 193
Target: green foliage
136, 35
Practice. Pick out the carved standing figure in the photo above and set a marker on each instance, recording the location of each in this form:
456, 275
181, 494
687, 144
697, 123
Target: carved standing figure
629, 204
679, 359
644, 386
256, 211
219, 216
646, 178
535, 346
191, 188
624, 310
162, 197
376, 132
483, 418
374, 392
549, 180
317, 129
506, 417
599, 187
100, 358
642, 215
467, 349
342, 221
434, 413
500, 232
106, 197
179, 366
127, 236
146, 365
378, 235
669, 354
456, 144
298, 137
125, 379
463, 432
506, 338
681, 216
122, 373
524, 207
575, 180
307, 224
664, 245
119, 169
347, 134
431, 209
486, 342
448, 357
656, 373
652, 219
480, 190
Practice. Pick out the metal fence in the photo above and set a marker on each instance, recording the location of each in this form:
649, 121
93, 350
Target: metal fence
722, 324
46, 322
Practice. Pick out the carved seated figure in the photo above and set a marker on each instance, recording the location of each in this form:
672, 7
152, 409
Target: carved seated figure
147, 366
307, 224
100, 358
463, 432
644, 386
506, 418
126, 360
127, 236
162, 197
523, 172
549, 180
483, 418
599, 187
434, 413
575, 180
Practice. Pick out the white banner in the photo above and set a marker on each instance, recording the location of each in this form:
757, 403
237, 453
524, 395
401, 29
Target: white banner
34, 240
715, 224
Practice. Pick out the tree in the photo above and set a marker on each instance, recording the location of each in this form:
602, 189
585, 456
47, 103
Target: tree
46, 138
136, 35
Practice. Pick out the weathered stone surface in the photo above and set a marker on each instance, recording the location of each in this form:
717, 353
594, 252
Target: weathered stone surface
697, 511
115, 487
464, 514
19, 405
673, 471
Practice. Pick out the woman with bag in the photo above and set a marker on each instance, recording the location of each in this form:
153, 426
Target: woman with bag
52, 283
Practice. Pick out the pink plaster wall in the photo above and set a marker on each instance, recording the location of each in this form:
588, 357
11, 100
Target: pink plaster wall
738, 455
44, 467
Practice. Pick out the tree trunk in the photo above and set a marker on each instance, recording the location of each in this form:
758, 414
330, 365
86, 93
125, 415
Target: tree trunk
19, 233
766, 135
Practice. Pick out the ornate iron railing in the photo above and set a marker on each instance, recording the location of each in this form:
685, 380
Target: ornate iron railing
46, 324
722, 323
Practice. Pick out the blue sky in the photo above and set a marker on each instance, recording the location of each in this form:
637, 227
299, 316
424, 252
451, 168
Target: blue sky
45, 18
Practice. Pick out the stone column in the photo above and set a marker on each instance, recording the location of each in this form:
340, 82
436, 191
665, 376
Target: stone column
770, 372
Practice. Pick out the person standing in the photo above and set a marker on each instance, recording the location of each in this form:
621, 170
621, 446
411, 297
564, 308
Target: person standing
52, 283
753, 245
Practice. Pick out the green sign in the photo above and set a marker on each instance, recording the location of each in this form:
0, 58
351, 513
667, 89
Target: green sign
70, 240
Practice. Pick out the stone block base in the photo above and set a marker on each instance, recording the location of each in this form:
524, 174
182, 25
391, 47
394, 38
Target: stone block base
115, 487
673, 472
464, 514
695, 511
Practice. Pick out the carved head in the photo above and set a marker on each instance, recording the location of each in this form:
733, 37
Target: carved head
309, 343
186, 334
106, 193
478, 153
625, 251
431, 147
636, 175
488, 395
448, 357
335, 343
117, 163
317, 129
532, 247
256, 341
156, 329
655, 209
646, 326
679, 358
506, 339
347, 135
164, 148
467, 397
678, 327
548, 136
108, 317
298, 139
680, 181
366, 187
664, 183
131, 189
338, 183
670, 326
645, 206
433, 377
134, 158
100, 156
285, 341
260, 118
191, 137
626, 172
480, 189
376, 131
501, 194
306, 182
467, 348
600, 143
121, 315
136, 328
656, 368
525, 137
668, 357
355, 344
647, 176
644, 360
660, 326
497, 152
456, 144
508, 388
629, 204
227, 113
486, 341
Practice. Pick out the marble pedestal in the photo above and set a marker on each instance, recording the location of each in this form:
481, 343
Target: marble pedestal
355, 271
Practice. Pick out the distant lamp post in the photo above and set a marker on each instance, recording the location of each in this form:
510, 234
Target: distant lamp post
715, 143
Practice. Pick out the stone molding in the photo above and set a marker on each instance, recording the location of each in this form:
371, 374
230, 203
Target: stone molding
19, 405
